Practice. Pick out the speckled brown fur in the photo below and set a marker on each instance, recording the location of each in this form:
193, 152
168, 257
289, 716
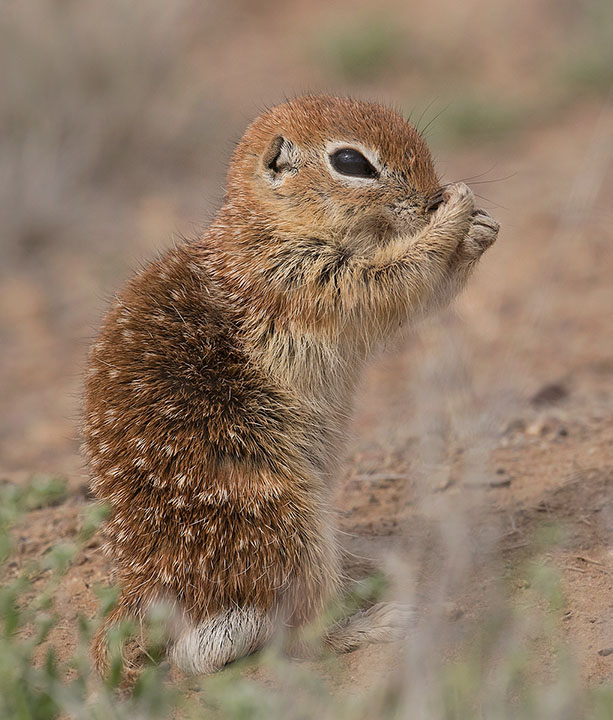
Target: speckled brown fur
220, 386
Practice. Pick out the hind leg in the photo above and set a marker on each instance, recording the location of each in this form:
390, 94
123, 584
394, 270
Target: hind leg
219, 640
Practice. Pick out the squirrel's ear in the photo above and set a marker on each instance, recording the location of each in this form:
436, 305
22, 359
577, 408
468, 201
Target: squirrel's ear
279, 158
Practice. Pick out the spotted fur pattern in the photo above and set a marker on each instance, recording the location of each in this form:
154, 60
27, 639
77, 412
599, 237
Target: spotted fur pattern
219, 389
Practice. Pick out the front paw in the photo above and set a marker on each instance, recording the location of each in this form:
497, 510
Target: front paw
481, 235
457, 206
452, 218
484, 229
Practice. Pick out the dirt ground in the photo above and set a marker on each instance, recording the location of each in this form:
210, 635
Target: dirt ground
488, 422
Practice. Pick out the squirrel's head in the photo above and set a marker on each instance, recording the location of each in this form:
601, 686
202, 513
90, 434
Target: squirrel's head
325, 167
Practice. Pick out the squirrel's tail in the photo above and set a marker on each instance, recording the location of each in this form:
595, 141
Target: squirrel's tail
100, 642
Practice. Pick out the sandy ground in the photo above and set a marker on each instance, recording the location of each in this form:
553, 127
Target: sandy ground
490, 421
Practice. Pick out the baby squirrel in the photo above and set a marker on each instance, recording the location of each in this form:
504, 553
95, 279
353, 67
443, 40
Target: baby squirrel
219, 389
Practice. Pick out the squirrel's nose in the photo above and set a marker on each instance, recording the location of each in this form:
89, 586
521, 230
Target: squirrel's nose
435, 201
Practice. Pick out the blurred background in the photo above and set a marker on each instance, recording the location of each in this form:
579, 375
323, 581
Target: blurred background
117, 120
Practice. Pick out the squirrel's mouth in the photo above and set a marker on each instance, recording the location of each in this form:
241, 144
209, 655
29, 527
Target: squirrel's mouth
380, 227
408, 218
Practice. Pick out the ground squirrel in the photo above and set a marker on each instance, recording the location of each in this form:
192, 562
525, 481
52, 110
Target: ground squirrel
219, 389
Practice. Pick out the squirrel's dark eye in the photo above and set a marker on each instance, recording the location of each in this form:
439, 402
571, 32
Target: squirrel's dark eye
348, 161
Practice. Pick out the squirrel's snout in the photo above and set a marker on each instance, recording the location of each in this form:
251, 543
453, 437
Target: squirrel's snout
435, 201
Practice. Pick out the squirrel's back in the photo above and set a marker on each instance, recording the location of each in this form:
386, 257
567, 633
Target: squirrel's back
190, 442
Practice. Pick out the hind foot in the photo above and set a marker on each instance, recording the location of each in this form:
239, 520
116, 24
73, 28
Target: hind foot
381, 623
219, 640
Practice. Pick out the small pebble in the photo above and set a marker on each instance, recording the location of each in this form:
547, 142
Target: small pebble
549, 394
500, 482
518, 425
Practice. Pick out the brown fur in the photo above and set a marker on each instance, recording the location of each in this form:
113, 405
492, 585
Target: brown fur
219, 388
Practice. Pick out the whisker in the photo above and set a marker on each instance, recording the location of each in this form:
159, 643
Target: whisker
483, 182
498, 205
472, 177
469, 181
424, 111
438, 114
